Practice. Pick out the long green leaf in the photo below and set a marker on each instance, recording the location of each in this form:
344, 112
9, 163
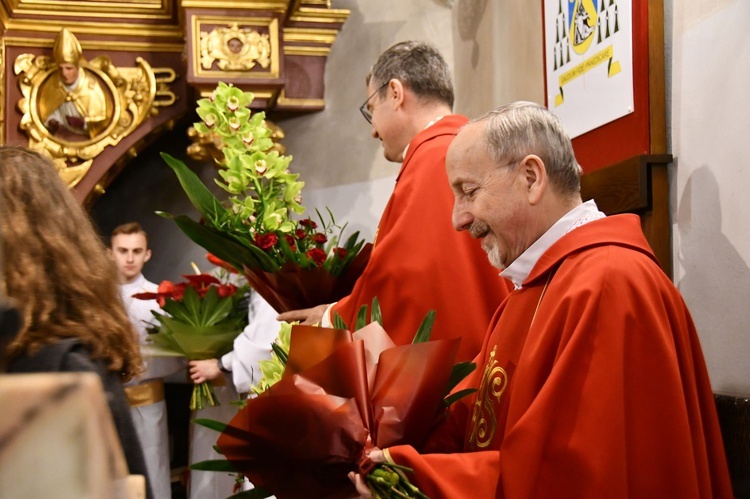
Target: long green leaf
221, 245
280, 353
203, 200
425, 329
338, 322
458, 395
214, 465
459, 372
211, 424
256, 493
376, 314
192, 303
361, 318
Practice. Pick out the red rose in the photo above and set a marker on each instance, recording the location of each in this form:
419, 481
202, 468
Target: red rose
317, 255
266, 241
291, 242
300, 233
307, 222
340, 252
319, 238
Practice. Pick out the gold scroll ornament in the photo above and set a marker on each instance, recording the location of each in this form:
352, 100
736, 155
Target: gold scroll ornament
73, 108
235, 49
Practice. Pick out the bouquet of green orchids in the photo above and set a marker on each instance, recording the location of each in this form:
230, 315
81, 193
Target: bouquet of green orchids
292, 263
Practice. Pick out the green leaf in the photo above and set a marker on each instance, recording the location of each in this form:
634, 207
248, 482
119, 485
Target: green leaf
425, 329
458, 395
203, 200
256, 493
376, 314
211, 424
459, 372
222, 246
338, 322
280, 353
192, 303
214, 465
361, 318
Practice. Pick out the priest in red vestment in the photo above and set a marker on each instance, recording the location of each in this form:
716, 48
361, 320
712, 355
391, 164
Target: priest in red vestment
419, 263
591, 381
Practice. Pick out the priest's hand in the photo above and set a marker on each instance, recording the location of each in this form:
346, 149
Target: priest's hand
306, 316
204, 370
376, 456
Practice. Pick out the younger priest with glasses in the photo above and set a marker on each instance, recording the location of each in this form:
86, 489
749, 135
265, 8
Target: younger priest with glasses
419, 263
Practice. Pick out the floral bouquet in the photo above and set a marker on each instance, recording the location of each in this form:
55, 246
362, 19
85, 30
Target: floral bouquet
292, 264
201, 318
339, 393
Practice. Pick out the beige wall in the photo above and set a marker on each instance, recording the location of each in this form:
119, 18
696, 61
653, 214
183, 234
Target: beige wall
496, 60
708, 68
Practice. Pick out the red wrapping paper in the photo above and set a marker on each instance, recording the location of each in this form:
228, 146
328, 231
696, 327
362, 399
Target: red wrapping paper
303, 435
294, 288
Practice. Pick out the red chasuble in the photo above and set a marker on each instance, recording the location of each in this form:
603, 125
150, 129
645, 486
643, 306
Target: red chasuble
420, 263
591, 384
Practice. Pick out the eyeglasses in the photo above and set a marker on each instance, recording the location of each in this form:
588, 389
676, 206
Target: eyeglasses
364, 109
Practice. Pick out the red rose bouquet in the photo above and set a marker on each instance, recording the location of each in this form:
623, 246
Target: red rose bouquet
291, 263
201, 318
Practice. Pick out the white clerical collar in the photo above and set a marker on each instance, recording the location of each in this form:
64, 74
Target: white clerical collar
519, 270
406, 149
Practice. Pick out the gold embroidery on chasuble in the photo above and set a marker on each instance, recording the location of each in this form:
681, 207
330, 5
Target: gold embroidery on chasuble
483, 419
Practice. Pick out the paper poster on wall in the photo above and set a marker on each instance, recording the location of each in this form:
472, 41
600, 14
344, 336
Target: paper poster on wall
589, 59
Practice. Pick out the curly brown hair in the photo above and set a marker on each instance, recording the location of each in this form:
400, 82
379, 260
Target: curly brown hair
57, 270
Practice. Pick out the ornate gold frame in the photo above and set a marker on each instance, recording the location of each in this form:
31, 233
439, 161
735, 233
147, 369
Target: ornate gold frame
133, 93
244, 23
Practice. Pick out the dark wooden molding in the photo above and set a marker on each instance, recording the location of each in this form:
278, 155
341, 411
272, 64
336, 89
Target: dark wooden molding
637, 185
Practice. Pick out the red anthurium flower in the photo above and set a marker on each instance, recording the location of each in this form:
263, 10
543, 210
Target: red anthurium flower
317, 255
226, 290
201, 280
319, 238
266, 241
151, 296
220, 263
165, 288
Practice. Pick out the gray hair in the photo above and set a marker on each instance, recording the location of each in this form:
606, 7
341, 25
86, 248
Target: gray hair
523, 128
419, 67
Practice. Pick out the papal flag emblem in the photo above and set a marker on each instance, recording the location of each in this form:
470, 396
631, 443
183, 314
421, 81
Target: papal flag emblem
582, 23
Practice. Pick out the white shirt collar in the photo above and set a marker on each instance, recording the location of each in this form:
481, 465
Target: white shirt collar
131, 288
519, 270
406, 149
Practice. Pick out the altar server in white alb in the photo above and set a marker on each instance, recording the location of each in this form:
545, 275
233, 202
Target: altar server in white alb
129, 250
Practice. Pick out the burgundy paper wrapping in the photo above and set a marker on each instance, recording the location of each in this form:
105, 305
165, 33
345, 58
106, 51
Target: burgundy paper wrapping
301, 436
293, 288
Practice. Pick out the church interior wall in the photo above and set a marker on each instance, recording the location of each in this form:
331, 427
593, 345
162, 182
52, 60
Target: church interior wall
708, 67
486, 43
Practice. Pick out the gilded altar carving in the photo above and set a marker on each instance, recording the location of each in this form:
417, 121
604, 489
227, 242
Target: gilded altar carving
73, 108
234, 48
